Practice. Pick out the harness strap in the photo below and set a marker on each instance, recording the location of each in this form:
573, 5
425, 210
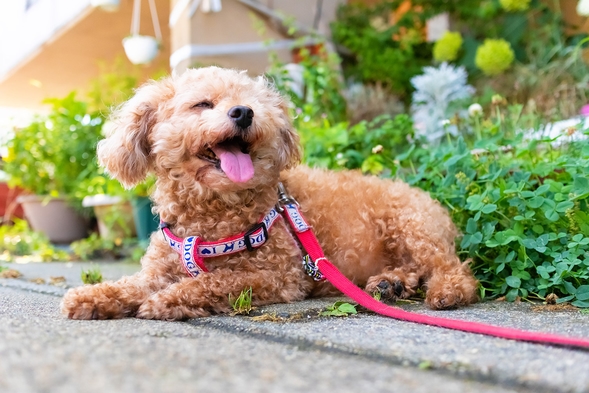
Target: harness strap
193, 250
310, 243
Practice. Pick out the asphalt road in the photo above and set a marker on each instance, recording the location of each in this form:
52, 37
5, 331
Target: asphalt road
286, 348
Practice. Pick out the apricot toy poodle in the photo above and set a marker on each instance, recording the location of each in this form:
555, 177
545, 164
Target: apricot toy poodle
219, 143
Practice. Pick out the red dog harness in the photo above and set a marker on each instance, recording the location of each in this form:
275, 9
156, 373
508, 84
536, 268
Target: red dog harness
193, 250
317, 266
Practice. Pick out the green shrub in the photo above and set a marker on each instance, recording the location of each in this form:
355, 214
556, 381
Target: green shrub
96, 247
19, 240
366, 145
54, 153
521, 203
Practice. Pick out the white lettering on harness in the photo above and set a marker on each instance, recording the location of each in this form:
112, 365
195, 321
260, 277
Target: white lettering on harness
187, 256
300, 225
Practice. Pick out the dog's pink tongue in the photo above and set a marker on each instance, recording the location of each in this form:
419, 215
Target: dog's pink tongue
237, 165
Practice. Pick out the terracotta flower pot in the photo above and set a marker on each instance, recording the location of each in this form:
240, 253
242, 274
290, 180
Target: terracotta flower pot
9, 207
53, 217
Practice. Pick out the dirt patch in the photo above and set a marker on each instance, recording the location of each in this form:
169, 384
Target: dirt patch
555, 308
10, 273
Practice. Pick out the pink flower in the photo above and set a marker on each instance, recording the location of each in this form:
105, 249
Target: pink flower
585, 110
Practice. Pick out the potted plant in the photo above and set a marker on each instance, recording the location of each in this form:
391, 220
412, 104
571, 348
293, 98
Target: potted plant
119, 213
48, 159
141, 49
145, 221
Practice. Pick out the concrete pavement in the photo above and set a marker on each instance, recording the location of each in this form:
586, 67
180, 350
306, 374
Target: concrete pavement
284, 348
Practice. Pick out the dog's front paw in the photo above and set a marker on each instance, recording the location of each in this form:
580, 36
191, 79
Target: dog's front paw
168, 308
451, 291
388, 289
385, 289
89, 302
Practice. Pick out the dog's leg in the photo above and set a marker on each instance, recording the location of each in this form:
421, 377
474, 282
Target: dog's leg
209, 293
451, 286
448, 282
419, 243
122, 298
109, 300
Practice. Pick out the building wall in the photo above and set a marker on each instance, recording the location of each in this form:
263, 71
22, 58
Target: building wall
26, 25
239, 37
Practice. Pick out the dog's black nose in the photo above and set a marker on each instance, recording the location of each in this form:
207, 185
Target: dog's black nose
241, 115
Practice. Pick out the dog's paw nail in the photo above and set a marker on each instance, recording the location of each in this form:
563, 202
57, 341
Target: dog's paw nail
399, 287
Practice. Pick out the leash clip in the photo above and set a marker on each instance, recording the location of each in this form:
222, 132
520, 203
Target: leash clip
284, 198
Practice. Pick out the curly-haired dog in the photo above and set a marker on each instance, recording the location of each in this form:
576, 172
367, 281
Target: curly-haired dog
219, 142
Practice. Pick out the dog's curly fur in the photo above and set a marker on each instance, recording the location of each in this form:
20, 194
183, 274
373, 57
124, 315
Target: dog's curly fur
382, 234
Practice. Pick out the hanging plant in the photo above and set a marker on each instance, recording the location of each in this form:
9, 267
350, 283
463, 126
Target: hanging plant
106, 5
142, 49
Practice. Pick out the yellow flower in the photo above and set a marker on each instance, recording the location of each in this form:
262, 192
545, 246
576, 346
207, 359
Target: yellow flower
9, 156
515, 5
494, 56
447, 47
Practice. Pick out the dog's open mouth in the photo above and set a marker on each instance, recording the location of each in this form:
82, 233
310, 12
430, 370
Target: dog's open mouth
231, 156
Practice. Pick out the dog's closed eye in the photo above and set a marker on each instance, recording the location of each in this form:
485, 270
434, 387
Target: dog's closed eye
204, 105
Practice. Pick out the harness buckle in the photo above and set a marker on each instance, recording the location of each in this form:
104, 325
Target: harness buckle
246, 237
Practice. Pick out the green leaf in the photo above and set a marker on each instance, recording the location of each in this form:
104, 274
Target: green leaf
580, 303
541, 270
492, 243
536, 202
562, 207
513, 281
490, 208
454, 159
347, 308
565, 299
512, 295
528, 194
529, 243
542, 189
583, 292
471, 226
551, 215
570, 288
581, 185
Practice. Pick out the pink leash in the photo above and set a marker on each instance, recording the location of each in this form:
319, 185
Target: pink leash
309, 242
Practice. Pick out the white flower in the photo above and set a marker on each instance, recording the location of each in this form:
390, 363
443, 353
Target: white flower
583, 7
377, 149
435, 90
475, 110
446, 122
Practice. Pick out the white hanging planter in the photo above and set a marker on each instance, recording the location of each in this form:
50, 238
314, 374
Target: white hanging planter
106, 5
141, 49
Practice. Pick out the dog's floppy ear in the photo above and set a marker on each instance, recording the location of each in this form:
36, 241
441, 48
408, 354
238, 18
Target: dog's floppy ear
125, 153
290, 150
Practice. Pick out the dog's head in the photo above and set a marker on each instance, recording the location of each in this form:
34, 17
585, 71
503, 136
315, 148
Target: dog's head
215, 127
